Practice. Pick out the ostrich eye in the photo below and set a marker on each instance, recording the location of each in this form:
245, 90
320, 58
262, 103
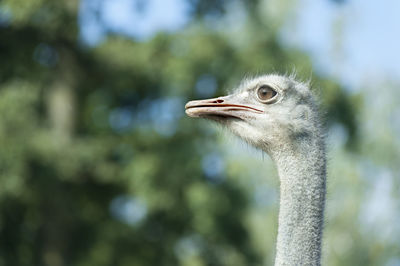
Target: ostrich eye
265, 93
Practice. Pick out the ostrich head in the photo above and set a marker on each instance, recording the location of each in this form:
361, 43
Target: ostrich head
269, 112
278, 115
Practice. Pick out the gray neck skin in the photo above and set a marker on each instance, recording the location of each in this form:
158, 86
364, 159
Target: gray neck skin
302, 173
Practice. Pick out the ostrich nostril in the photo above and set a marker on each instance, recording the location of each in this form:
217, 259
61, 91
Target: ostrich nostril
218, 101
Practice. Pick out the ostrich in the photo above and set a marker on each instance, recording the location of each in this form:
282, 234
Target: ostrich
279, 115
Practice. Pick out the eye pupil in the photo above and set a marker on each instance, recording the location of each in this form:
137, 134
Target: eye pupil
265, 93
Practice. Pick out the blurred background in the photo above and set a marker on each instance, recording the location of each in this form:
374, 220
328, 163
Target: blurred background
100, 166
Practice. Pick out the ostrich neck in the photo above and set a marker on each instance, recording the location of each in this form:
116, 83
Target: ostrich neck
302, 173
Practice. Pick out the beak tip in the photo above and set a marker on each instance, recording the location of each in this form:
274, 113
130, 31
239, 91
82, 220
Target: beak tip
187, 109
190, 104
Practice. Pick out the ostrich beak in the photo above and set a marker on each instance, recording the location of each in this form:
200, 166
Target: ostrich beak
221, 107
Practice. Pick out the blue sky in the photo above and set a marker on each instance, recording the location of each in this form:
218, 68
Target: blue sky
367, 50
137, 18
